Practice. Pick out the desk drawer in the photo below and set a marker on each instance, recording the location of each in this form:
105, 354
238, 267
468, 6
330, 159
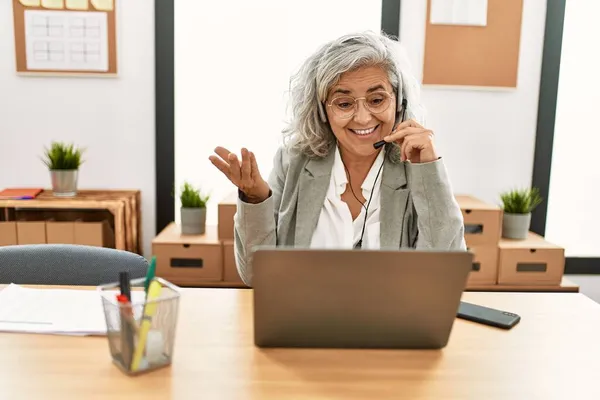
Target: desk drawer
531, 266
189, 264
482, 227
485, 266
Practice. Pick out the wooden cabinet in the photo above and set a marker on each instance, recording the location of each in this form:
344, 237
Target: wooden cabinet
115, 212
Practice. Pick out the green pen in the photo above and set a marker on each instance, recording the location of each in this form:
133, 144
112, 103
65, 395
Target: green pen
150, 275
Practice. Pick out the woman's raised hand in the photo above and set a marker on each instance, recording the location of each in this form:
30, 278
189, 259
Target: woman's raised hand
245, 174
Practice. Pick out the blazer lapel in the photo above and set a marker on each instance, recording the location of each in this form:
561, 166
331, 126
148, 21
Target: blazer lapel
394, 197
312, 189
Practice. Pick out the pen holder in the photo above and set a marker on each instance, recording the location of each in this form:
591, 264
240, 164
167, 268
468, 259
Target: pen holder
141, 334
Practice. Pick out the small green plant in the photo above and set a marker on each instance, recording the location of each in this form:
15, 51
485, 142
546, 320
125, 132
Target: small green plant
62, 156
191, 198
520, 201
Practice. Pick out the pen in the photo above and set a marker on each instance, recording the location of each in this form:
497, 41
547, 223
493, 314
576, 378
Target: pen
127, 330
125, 284
128, 310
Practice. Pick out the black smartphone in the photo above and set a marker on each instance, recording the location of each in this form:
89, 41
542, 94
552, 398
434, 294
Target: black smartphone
487, 316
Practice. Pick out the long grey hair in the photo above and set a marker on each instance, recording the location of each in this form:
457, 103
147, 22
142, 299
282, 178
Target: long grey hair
307, 133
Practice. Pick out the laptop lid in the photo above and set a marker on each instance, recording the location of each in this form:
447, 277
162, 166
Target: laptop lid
356, 299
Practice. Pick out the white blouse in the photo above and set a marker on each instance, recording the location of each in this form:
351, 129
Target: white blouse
335, 228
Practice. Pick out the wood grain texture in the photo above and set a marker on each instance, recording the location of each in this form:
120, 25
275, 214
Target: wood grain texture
125, 205
552, 354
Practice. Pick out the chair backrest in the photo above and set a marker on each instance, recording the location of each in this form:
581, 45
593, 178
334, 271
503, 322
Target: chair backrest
59, 264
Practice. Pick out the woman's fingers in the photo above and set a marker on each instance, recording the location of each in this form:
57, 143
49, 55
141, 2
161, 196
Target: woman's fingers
243, 172
408, 149
221, 165
409, 123
418, 148
222, 152
399, 134
246, 168
235, 168
255, 172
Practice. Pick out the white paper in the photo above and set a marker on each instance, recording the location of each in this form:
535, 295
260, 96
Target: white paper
66, 40
53, 311
459, 12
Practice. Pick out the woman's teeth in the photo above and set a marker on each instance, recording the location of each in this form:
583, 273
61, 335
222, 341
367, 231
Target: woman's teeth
364, 131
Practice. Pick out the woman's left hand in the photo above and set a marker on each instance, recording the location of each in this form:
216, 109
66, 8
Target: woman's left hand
416, 142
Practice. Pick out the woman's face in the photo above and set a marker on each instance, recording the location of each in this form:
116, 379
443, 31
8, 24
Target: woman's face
357, 134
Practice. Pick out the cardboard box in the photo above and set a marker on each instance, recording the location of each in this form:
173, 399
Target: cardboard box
485, 266
483, 221
98, 234
226, 211
188, 259
532, 261
8, 233
31, 232
60, 232
230, 272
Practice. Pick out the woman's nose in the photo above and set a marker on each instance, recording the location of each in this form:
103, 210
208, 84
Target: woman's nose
362, 115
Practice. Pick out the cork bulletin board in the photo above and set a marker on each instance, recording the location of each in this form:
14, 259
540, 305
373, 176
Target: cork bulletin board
483, 56
65, 37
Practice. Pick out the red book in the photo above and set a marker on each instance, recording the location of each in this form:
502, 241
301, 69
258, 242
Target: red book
19, 193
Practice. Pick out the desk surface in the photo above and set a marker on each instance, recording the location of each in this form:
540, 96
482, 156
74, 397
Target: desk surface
554, 353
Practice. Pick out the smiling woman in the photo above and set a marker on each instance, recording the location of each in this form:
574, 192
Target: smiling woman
331, 185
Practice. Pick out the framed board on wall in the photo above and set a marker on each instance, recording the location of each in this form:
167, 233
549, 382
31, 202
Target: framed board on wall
65, 37
485, 55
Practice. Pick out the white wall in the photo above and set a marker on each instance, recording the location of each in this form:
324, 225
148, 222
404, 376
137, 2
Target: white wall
486, 137
112, 118
573, 208
233, 61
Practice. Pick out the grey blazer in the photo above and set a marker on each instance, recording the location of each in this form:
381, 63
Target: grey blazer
418, 208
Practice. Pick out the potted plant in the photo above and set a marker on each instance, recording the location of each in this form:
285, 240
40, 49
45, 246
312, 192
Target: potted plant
517, 206
63, 160
193, 210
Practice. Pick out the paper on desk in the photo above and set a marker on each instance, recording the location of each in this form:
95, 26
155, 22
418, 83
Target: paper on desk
51, 311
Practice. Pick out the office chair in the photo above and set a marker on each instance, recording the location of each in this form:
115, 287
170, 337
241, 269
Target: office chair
62, 264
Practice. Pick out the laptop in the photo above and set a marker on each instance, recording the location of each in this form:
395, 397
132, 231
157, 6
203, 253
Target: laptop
397, 299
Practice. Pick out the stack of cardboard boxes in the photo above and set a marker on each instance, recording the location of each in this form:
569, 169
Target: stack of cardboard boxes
208, 259
505, 262
199, 260
40, 232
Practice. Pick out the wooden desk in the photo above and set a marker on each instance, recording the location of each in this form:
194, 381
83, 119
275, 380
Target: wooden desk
553, 353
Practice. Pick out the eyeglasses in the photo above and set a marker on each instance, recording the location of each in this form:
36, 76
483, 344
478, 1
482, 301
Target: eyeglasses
346, 106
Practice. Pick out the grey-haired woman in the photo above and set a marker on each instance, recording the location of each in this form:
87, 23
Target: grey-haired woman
357, 168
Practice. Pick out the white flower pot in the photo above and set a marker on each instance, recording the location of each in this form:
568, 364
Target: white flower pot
193, 221
64, 182
515, 226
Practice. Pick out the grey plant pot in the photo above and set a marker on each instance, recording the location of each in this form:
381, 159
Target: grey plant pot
193, 221
516, 226
64, 182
